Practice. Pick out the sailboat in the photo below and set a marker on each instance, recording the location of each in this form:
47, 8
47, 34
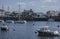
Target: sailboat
20, 21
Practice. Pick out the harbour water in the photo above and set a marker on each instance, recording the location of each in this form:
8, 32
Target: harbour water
27, 31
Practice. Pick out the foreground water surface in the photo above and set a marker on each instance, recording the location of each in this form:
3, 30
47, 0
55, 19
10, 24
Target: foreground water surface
27, 31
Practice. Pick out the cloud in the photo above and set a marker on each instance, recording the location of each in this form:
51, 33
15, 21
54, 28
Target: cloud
21, 3
50, 0
50, 7
26, 5
39, 6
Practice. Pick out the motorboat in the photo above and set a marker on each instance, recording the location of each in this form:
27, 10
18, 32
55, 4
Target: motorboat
44, 31
4, 27
9, 21
22, 22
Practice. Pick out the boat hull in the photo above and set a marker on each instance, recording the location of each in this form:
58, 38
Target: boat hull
46, 34
4, 28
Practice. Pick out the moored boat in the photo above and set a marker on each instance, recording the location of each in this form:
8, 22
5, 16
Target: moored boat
21, 22
9, 21
4, 27
47, 32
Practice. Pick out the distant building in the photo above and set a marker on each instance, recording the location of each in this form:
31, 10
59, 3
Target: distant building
41, 15
52, 13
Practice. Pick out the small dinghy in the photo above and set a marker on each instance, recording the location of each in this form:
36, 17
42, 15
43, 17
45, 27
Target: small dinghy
46, 32
4, 27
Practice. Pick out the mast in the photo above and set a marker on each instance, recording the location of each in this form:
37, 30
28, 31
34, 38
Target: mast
8, 8
19, 9
2, 11
2, 8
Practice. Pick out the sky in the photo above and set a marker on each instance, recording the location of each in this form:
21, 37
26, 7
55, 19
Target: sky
35, 5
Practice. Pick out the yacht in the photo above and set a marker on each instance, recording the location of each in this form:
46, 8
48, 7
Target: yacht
44, 31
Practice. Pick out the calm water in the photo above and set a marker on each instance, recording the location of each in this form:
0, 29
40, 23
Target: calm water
27, 31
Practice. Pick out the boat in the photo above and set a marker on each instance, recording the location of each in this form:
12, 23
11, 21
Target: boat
4, 27
44, 31
9, 21
22, 22
51, 20
2, 21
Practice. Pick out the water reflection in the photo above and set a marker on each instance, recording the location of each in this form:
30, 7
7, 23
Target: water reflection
48, 37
